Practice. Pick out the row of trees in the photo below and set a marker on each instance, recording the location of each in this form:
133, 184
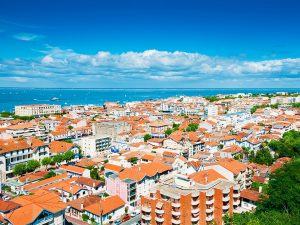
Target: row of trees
23, 168
254, 108
33, 164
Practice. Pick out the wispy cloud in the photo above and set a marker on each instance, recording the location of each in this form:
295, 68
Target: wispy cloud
27, 36
158, 66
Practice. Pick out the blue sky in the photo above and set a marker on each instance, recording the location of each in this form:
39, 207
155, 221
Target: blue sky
157, 43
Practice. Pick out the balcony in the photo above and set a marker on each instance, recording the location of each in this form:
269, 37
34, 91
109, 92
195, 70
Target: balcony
175, 221
226, 191
210, 210
209, 217
210, 193
195, 202
226, 198
195, 194
146, 209
248, 183
159, 219
195, 219
146, 217
236, 195
236, 202
236, 187
210, 202
176, 204
176, 213
225, 207
159, 211
195, 210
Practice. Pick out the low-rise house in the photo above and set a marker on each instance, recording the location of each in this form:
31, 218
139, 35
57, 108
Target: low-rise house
92, 185
75, 171
61, 147
102, 211
231, 151
41, 208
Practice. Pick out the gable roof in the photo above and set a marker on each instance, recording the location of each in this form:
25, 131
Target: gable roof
105, 206
33, 205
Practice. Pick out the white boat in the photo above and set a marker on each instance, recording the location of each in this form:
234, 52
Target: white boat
54, 99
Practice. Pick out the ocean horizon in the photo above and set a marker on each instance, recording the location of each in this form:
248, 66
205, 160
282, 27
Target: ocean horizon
12, 96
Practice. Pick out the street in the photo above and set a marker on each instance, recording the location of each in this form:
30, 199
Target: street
133, 220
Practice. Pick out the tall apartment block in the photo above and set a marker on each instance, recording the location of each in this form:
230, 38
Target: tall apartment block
202, 198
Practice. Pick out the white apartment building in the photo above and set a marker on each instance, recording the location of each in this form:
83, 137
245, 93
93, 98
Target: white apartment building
211, 110
94, 146
16, 151
36, 109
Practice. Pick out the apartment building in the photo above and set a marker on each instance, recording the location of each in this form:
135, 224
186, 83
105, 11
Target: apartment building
36, 109
233, 170
201, 198
158, 129
133, 182
211, 110
94, 146
16, 151
26, 130
110, 128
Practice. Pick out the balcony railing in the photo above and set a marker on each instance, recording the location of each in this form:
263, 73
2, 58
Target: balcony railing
209, 210
176, 213
176, 204
159, 219
146, 209
159, 211
146, 217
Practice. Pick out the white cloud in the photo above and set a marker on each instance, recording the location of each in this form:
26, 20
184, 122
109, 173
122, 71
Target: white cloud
20, 79
27, 36
155, 65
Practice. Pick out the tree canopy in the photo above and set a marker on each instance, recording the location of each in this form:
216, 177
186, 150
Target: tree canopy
283, 204
147, 137
288, 145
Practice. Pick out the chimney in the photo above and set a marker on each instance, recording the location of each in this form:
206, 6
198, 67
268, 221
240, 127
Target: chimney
94, 184
81, 206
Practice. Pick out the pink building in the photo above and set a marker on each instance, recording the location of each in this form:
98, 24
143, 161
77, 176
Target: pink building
131, 183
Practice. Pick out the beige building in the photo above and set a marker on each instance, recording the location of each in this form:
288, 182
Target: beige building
37, 109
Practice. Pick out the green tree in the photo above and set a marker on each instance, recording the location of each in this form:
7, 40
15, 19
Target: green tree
50, 174
58, 158
192, 127
94, 173
284, 190
19, 169
264, 156
32, 165
46, 161
85, 217
168, 131
147, 137
68, 156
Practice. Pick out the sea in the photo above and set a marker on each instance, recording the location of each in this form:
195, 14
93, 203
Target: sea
10, 97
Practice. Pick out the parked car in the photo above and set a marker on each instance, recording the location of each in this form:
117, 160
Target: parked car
5, 198
126, 217
117, 222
